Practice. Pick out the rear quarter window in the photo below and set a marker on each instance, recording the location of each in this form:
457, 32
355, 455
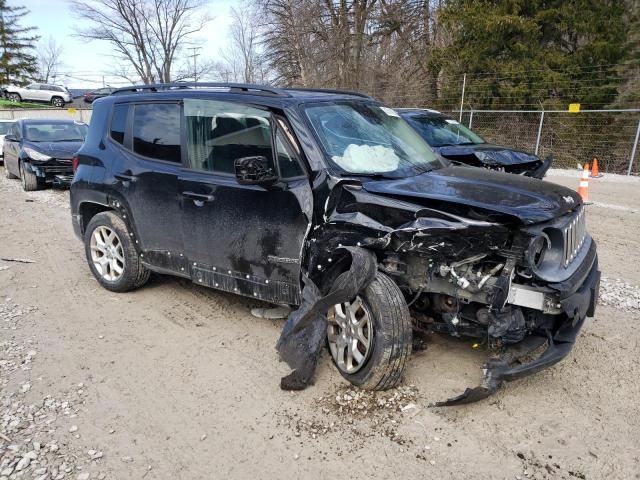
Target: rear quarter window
156, 131
119, 123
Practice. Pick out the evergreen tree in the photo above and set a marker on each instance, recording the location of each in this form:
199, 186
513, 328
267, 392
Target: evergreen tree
538, 50
17, 62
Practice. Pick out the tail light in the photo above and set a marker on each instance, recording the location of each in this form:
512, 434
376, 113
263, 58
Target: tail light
75, 164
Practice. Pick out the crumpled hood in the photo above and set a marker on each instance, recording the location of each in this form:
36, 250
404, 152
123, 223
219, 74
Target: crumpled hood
526, 199
488, 154
60, 150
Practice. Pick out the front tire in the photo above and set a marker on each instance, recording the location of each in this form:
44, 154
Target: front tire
57, 102
29, 180
112, 256
7, 173
15, 97
370, 338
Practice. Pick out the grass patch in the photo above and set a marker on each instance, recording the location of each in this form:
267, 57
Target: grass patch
4, 103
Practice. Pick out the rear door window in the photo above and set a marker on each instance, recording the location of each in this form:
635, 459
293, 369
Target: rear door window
219, 133
156, 131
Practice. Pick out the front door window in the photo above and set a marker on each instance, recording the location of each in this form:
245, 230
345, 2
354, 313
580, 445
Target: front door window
218, 133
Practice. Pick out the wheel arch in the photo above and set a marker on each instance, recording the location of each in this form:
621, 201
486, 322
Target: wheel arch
88, 210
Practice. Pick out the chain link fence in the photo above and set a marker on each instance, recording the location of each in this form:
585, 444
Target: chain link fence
611, 136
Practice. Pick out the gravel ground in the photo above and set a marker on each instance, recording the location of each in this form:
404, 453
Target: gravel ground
619, 294
175, 381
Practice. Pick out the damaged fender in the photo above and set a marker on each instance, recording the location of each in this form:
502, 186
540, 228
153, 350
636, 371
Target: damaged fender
306, 328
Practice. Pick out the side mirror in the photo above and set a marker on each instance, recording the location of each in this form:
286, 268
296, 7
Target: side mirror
10, 138
255, 171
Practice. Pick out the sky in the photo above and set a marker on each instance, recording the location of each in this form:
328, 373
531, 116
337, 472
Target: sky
84, 64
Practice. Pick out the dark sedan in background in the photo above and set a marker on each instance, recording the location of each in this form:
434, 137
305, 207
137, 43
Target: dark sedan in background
457, 143
41, 152
90, 97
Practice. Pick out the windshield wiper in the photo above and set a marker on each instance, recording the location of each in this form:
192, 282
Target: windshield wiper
67, 140
374, 176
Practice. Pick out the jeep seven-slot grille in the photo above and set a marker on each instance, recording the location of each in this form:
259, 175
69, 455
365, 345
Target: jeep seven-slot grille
574, 234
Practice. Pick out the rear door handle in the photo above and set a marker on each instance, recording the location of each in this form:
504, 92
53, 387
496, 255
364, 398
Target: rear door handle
125, 177
198, 197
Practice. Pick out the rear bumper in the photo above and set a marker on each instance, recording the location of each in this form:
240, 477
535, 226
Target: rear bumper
577, 304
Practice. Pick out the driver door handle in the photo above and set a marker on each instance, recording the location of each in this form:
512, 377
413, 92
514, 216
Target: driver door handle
198, 197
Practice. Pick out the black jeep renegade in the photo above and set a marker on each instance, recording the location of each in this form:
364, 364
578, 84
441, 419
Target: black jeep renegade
256, 190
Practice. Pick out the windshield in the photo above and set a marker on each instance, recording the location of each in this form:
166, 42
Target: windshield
4, 127
56, 132
368, 139
441, 131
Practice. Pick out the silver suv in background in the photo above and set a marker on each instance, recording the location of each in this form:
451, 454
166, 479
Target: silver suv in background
40, 92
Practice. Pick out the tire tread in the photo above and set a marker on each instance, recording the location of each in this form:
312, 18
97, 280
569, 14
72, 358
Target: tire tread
384, 296
29, 180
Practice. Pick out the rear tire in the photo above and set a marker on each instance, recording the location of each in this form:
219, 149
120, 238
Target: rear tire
390, 345
29, 180
128, 273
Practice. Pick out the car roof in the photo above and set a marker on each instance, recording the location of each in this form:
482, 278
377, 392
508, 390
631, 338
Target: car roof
260, 94
48, 121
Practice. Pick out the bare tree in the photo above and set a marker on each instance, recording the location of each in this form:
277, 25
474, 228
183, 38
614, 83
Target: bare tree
148, 34
388, 48
291, 45
49, 53
244, 36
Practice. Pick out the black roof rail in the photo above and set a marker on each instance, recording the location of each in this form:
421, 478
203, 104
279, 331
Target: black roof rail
330, 90
232, 87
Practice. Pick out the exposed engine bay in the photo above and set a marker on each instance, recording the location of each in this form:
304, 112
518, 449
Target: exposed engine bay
514, 288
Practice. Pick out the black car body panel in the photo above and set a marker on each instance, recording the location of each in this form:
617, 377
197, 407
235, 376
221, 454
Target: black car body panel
487, 155
518, 197
57, 165
469, 246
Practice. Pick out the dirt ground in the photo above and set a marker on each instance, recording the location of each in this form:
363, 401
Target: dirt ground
175, 381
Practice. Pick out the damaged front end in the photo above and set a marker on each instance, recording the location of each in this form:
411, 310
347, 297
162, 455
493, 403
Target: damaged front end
471, 272
498, 158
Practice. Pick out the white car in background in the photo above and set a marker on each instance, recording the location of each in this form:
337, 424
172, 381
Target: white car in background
56, 95
5, 125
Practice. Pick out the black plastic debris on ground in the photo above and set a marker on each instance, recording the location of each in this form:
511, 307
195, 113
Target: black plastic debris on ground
305, 331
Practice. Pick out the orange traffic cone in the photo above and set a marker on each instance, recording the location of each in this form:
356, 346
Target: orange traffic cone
594, 169
583, 189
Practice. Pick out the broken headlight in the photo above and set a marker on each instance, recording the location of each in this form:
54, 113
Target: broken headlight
35, 155
538, 247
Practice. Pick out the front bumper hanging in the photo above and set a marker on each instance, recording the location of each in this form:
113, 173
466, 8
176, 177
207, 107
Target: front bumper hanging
507, 366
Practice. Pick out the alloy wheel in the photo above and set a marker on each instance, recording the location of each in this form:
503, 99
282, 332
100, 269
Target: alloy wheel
350, 335
107, 254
